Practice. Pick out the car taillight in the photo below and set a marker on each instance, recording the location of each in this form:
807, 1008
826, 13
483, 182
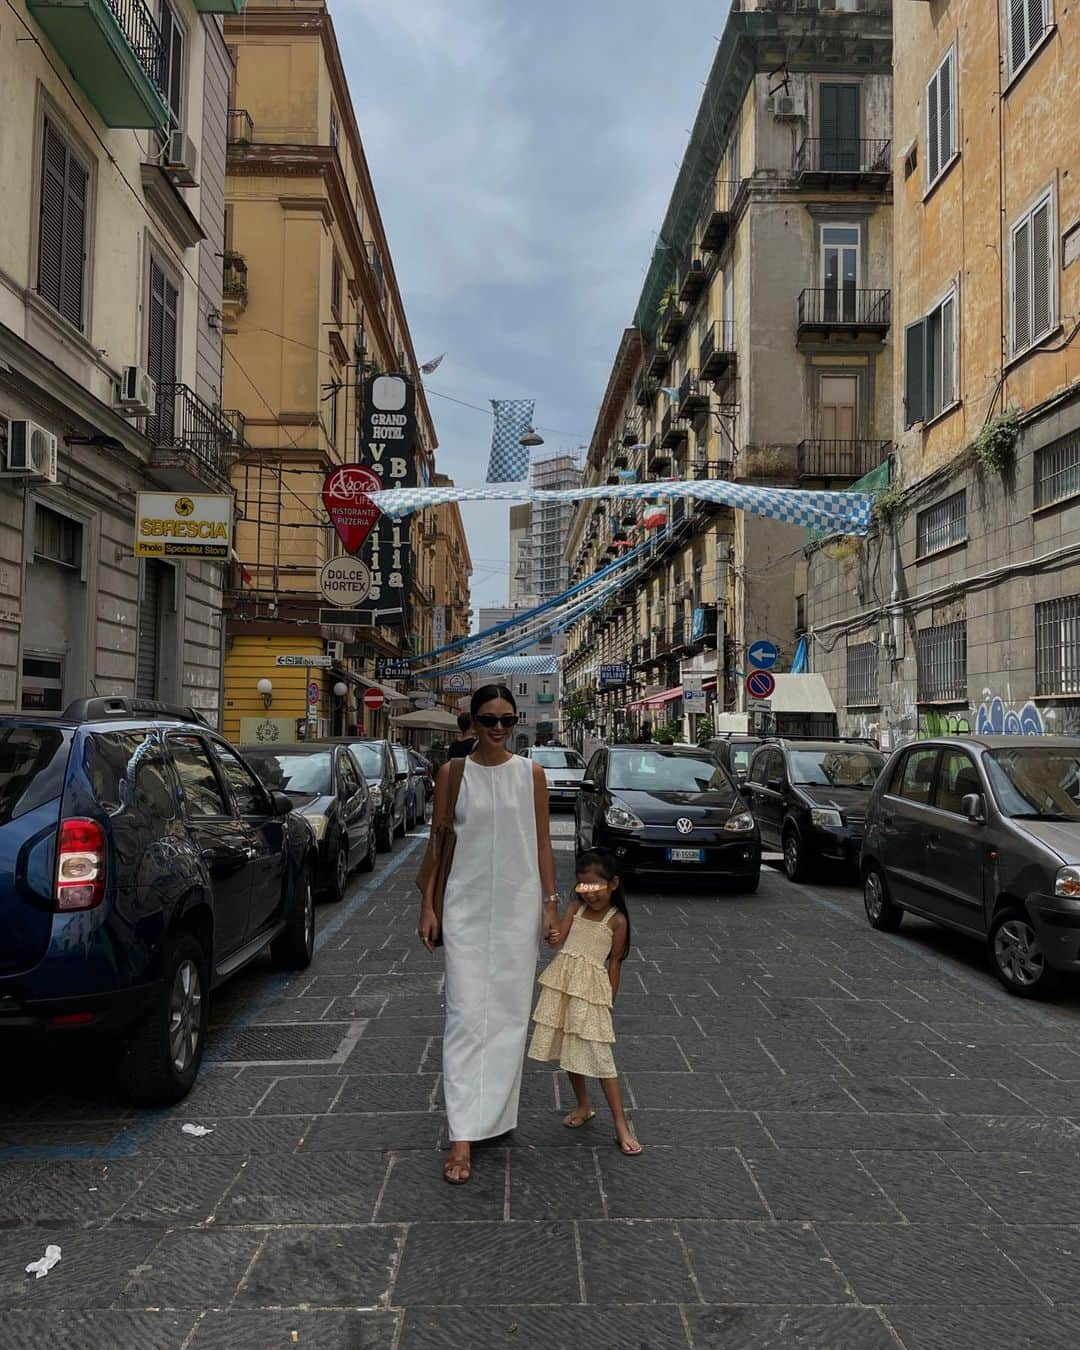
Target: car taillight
80, 868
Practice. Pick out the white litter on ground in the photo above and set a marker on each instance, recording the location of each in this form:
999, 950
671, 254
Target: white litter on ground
44, 1264
197, 1130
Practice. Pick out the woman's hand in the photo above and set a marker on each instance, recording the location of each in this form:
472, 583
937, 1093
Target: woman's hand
552, 931
428, 927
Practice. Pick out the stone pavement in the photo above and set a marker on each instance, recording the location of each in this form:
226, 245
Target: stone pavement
854, 1141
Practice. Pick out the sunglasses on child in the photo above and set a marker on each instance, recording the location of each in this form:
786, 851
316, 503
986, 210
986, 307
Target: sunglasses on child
491, 721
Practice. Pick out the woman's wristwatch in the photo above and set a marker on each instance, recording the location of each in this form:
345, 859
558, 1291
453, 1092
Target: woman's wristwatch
555, 899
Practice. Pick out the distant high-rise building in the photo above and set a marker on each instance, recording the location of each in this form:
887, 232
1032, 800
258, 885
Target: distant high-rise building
542, 561
520, 525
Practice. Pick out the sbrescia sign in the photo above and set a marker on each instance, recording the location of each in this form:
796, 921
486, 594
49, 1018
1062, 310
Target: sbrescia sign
183, 525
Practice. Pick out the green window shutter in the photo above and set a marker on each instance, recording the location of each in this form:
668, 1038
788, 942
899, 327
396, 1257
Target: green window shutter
915, 373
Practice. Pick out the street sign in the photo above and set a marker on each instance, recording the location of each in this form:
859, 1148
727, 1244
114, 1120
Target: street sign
345, 582
313, 692
318, 662
763, 654
373, 699
391, 668
760, 684
763, 705
183, 525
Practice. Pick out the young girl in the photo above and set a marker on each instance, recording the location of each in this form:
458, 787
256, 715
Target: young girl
573, 1013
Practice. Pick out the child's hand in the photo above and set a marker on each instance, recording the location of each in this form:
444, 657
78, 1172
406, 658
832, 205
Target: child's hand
552, 935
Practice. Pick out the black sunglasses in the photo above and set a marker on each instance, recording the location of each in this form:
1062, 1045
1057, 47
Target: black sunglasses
491, 721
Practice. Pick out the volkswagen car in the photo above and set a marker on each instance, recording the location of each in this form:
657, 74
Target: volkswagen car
666, 810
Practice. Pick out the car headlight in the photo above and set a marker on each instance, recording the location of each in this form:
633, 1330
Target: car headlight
825, 819
376, 795
740, 823
621, 817
1067, 882
318, 825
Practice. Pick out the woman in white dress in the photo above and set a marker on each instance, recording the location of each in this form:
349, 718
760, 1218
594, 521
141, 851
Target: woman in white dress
500, 891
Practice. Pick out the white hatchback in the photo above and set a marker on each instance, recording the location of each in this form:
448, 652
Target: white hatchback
563, 768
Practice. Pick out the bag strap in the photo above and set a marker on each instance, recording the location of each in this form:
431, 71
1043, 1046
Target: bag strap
457, 773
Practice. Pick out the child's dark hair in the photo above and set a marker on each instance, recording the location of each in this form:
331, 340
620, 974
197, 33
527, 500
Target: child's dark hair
600, 860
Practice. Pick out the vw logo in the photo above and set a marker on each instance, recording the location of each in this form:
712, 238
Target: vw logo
683, 825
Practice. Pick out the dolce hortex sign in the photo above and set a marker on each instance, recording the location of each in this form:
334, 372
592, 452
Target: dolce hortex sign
388, 449
183, 525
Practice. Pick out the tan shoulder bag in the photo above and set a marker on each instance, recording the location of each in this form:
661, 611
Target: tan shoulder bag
440, 849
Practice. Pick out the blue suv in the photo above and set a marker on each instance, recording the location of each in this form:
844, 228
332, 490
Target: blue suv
141, 863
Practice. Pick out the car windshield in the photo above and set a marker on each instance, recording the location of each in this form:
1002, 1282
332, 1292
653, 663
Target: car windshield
740, 757
558, 759
370, 755
653, 771
32, 765
1036, 783
401, 755
299, 775
836, 767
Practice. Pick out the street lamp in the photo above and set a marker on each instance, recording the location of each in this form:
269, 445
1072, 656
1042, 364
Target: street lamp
266, 689
340, 689
531, 439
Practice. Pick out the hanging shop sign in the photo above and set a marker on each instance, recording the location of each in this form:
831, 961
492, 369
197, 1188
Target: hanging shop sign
438, 625
387, 449
389, 668
352, 512
457, 684
345, 581
184, 525
614, 673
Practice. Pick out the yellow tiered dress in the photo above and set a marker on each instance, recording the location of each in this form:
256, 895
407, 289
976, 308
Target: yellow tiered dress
573, 1012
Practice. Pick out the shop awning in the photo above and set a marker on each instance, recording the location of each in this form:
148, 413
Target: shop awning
426, 719
656, 701
801, 694
391, 695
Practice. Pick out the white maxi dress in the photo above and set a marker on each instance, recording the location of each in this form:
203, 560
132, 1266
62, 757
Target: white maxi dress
492, 914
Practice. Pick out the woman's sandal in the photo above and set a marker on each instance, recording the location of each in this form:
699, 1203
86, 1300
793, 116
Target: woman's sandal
571, 1124
458, 1163
630, 1148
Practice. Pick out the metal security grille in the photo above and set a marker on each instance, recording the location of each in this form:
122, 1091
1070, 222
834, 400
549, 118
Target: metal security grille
1057, 646
862, 675
941, 526
1057, 470
941, 657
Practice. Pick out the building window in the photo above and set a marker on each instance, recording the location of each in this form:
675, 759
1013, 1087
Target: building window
335, 127
1057, 646
930, 373
1028, 22
1033, 300
522, 689
42, 683
65, 180
941, 119
336, 285
941, 658
862, 675
1057, 470
172, 65
57, 538
941, 526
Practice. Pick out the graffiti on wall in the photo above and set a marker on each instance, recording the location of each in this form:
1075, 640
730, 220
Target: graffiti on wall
994, 718
933, 723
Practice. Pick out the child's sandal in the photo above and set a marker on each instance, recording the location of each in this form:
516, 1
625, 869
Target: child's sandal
572, 1124
629, 1148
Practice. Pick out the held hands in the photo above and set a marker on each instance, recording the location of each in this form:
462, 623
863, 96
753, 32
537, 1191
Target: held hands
552, 932
428, 928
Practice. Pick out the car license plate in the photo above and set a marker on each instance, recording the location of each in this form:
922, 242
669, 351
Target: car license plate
686, 855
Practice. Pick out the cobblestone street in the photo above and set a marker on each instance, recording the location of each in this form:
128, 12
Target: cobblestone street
853, 1141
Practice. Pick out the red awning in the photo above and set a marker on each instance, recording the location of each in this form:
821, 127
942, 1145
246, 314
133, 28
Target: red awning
656, 701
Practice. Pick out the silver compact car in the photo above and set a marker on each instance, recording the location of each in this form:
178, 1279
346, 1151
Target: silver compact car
563, 768
982, 834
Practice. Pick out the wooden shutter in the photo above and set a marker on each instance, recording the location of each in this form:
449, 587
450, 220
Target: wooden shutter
172, 75
62, 228
933, 159
1021, 241
161, 348
948, 351
915, 373
945, 112
1018, 46
1038, 19
1041, 271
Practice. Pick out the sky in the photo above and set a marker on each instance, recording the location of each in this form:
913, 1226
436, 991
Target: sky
523, 154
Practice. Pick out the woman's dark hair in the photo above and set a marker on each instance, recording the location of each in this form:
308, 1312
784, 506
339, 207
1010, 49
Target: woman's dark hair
464, 722
600, 860
489, 694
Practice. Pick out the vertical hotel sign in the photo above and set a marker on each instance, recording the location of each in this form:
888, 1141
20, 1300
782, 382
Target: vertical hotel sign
388, 448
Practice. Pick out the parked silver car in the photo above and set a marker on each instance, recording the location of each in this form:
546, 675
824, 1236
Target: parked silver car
563, 768
982, 834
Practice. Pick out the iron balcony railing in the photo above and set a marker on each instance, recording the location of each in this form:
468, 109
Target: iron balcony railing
183, 421
672, 323
671, 433
842, 306
240, 129
840, 459
693, 395
842, 154
715, 221
644, 392
142, 32
692, 280
717, 348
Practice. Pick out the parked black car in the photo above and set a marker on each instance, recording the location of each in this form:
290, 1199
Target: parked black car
141, 863
662, 809
388, 795
982, 834
328, 789
810, 799
735, 753
422, 767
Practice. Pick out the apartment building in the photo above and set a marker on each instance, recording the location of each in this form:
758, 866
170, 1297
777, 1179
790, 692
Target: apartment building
962, 609
520, 578
314, 310
112, 157
760, 352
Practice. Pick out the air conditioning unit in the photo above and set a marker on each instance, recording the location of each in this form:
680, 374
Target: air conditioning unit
179, 159
32, 451
787, 107
136, 395
335, 650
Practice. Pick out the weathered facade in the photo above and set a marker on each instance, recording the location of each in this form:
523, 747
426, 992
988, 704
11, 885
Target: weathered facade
962, 609
761, 351
109, 272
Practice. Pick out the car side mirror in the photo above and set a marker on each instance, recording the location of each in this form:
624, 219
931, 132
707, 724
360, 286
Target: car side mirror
402, 776
972, 807
588, 785
776, 784
281, 803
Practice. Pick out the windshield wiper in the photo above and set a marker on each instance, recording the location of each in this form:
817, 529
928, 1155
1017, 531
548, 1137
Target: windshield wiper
1044, 815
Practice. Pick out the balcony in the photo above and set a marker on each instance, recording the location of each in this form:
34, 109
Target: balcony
845, 164
219, 6
545, 698
115, 51
631, 432
239, 128
193, 444
657, 362
693, 281
824, 313
693, 397
672, 323
234, 284
717, 216
840, 459
671, 435
717, 356
644, 392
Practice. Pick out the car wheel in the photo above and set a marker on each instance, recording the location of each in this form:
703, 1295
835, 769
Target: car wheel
368, 863
295, 947
340, 877
384, 834
401, 829
796, 867
750, 886
881, 913
1017, 956
160, 1059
